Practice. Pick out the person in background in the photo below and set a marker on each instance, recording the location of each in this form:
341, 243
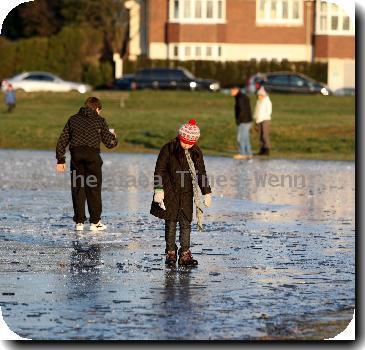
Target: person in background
243, 116
10, 98
175, 189
84, 132
262, 116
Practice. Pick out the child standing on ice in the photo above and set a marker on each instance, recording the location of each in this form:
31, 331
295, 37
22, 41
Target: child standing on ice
175, 189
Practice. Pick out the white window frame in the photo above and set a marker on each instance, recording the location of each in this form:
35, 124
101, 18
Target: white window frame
181, 48
192, 19
279, 21
340, 13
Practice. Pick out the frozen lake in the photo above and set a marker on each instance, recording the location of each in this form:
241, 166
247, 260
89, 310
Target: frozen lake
277, 253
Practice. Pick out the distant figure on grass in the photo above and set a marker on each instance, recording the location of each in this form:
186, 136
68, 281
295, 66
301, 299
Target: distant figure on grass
243, 116
175, 187
10, 98
262, 116
84, 132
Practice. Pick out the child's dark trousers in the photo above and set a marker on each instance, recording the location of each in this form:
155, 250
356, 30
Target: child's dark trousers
11, 106
86, 179
170, 233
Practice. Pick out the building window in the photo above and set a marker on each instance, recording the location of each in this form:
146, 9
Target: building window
176, 9
176, 51
187, 9
187, 51
333, 20
285, 10
220, 9
209, 9
197, 11
334, 23
346, 23
196, 51
273, 9
279, 12
295, 9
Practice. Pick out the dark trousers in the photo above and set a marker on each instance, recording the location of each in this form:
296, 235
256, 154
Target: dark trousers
11, 106
184, 237
264, 134
86, 179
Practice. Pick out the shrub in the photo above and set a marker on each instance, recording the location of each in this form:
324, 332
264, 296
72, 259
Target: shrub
7, 58
98, 75
65, 54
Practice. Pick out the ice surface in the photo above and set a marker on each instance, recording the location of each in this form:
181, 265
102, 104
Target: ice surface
270, 256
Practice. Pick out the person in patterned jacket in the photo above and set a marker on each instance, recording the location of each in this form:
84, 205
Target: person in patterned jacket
83, 133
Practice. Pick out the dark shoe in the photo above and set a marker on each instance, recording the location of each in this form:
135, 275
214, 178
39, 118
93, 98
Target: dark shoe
264, 152
186, 259
170, 259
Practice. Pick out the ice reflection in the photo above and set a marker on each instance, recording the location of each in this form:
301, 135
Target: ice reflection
270, 255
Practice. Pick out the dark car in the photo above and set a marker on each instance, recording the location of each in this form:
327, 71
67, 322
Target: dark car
165, 79
287, 82
124, 83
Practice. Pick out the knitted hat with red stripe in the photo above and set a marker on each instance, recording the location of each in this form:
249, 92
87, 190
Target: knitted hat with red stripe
189, 133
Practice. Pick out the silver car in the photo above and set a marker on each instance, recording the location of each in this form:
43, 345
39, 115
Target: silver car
43, 81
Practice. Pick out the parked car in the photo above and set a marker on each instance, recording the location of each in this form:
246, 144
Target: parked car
124, 83
43, 81
286, 82
165, 79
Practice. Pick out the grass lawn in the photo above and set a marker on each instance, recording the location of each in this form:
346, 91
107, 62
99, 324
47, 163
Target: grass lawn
305, 127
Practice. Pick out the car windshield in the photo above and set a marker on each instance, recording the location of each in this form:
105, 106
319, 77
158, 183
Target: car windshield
279, 79
188, 74
296, 80
40, 77
17, 76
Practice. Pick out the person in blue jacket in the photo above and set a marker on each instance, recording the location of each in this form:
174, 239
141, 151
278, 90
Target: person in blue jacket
10, 98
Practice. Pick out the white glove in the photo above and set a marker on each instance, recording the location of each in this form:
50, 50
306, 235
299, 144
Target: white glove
159, 196
162, 205
208, 200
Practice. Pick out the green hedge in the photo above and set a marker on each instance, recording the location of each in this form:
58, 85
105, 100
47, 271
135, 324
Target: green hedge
229, 73
73, 54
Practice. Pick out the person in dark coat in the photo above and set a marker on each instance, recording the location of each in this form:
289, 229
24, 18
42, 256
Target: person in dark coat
83, 133
174, 191
243, 115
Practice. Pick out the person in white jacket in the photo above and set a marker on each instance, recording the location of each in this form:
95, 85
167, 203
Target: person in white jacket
262, 116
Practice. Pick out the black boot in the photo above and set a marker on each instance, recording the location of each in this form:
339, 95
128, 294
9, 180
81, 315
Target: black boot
264, 152
171, 258
186, 259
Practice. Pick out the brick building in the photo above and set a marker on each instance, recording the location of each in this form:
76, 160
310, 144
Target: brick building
232, 30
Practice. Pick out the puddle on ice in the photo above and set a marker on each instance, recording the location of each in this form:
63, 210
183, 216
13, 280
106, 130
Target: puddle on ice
270, 255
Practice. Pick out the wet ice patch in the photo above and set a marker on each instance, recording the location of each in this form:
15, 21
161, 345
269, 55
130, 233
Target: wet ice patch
270, 256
